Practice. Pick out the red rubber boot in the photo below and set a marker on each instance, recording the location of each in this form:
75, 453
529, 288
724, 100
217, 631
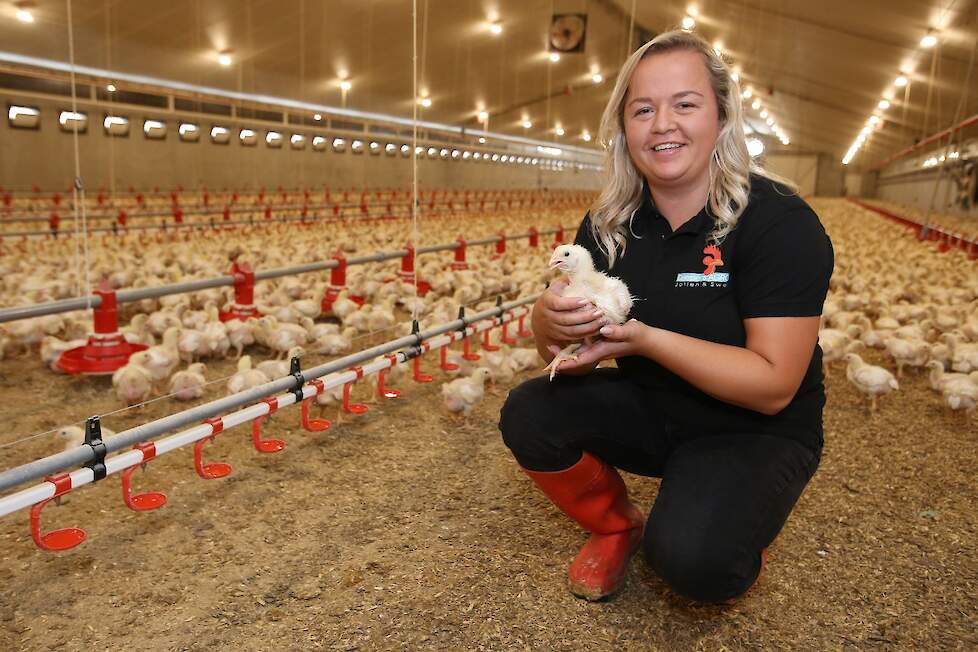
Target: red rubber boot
593, 494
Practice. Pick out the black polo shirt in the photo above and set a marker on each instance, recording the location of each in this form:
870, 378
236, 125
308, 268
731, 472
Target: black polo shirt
776, 262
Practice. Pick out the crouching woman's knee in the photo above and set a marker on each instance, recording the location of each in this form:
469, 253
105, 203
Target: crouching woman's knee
521, 414
701, 568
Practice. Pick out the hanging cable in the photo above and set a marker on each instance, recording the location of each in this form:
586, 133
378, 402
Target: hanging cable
78, 188
414, 150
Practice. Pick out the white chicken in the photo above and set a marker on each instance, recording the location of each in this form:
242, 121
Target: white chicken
133, 383
869, 379
246, 377
188, 384
74, 436
960, 394
463, 394
525, 359
279, 368
607, 294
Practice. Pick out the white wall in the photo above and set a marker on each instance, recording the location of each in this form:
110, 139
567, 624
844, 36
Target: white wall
800, 168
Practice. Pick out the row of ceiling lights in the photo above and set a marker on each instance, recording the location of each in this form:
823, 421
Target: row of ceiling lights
875, 121
689, 24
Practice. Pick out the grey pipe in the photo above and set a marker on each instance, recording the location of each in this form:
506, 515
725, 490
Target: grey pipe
83, 454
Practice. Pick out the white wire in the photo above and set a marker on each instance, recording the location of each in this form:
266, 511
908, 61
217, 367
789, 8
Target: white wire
414, 150
78, 189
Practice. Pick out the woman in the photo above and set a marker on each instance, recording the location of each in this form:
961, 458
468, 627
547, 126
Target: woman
718, 387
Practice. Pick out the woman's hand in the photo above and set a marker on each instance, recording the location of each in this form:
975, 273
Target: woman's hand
564, 319
631, 338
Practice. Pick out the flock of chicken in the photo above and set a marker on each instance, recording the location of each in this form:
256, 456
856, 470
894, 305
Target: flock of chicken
889, 292
184, 332
914, 304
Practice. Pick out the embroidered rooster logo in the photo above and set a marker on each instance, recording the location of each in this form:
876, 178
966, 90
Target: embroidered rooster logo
712, 260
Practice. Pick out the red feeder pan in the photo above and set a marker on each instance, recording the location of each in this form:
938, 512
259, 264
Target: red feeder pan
107, 350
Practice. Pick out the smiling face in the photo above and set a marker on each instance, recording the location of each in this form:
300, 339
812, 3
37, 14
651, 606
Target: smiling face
672, 119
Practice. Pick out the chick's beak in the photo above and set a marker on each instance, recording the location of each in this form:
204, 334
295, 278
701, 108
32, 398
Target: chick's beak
554, 261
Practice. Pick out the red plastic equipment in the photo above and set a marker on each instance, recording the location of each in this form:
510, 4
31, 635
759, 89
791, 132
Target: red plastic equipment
213, 470
55, 540
106, 350
460, 263
266, 445
314, 425
244, 294
353, 408
147, 501
337, 281
382, 390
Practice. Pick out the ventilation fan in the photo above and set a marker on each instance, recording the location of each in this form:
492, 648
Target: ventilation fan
567, 32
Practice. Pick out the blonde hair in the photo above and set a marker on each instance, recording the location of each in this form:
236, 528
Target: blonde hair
730, 165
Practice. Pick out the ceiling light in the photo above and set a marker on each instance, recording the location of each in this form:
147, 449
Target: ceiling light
346, 85
884, 105
496, 28
559, 131
424, 101
297, 140
504, 158
928, 41
597, 78
900, 81
748, 93
527, 124
770, 121
756, 104
482, 141
432, 151
874, 119
23, 117
755, 147
318, 143
154, 129
25, 16
391, 149
110, 88
586, 137
466, 154
554, 57
688, 23
224, 58
735, 76
405, 150
483, 116
495, 157
317, 117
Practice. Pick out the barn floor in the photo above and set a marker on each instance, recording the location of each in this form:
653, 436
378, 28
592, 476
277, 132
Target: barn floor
401, 530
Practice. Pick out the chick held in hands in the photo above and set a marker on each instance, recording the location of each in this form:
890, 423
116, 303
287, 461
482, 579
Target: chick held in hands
609, 295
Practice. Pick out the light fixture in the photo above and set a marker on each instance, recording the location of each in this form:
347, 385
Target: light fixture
900, 81
189, 132
597, 78
318, 117
110, 88
23, 117
770, 121
339, 145
735, 76
755, 147
929, 40
527, 124
748, 93
764, 113
503, 158
483, 116
477, 156
154, 129
73, 121
357, 146
466, 155
688, 23
554, 57
884, 105
24, 13
496, 27
559, 131
248, 137
424, 101
374, 148
456, 153
390, 149
432, 152
224, 58
116, 125
405, 150
297, 141
756, 104
482, 140
495, 157
874, 119
586, 137
346, 85
220, 135
318, 143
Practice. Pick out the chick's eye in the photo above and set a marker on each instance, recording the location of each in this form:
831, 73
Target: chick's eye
566, 253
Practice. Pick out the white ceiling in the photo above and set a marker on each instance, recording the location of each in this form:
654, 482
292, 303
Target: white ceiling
820, 67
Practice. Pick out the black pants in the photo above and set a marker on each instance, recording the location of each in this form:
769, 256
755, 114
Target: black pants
723, 497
